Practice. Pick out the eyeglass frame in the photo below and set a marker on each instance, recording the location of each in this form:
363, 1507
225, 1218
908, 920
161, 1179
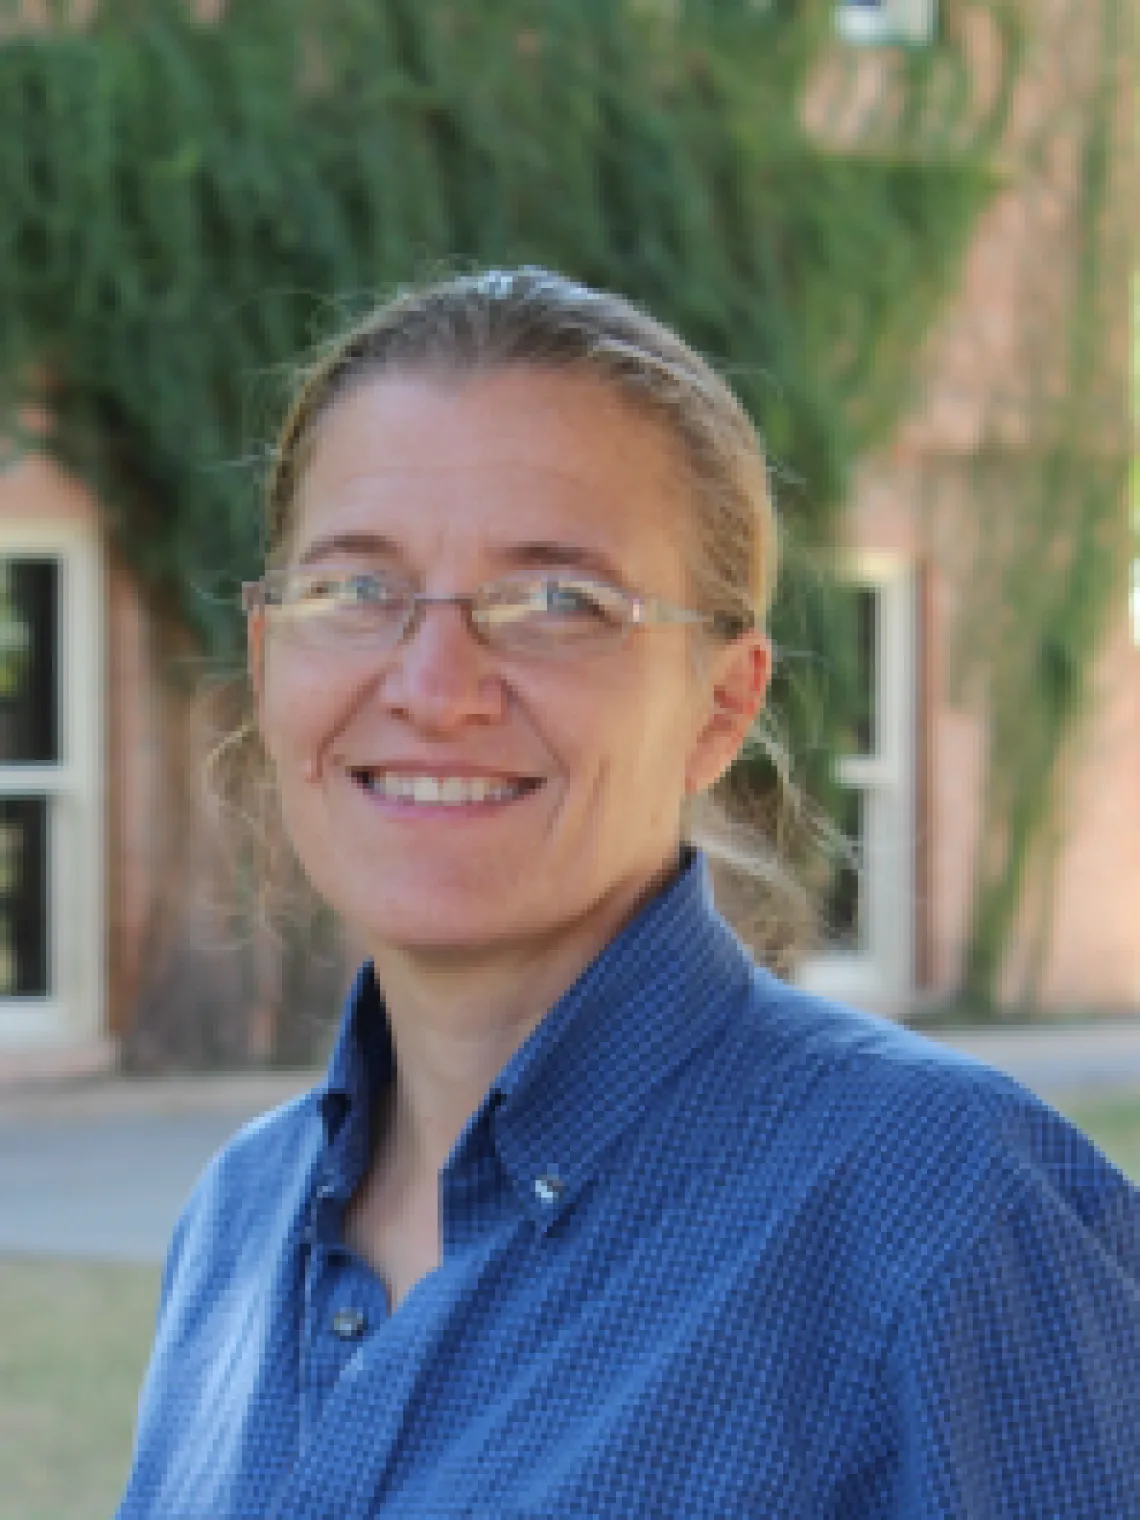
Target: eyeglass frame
637, 610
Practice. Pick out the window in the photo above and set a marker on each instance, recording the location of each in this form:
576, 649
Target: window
51, 889
870, 912
887, 20
29, 735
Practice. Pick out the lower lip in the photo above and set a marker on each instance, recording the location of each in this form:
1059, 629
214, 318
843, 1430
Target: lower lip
414, 812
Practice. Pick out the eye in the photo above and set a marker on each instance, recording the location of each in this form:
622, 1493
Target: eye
322, 589
342, 591
365, 590
583, 600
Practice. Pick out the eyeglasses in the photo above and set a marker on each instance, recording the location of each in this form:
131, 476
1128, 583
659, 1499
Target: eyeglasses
552, 616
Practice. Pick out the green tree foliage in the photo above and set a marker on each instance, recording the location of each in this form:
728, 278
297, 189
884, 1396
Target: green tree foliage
185, 208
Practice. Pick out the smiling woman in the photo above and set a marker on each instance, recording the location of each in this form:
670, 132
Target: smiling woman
591, 1217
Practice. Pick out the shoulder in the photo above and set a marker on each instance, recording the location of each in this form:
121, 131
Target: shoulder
893, 1148
251, 1196
863, 1072
263, 1156
866, 1072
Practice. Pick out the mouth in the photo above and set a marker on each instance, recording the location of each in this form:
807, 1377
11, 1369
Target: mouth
417, 790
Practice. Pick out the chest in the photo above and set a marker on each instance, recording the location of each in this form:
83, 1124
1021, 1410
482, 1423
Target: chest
614, 1365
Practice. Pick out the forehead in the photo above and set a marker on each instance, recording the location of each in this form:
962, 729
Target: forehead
445, 466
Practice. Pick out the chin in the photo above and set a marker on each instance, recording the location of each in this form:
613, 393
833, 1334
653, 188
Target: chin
431, 922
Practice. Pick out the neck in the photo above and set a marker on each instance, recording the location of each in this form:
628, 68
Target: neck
454, 1026
458, 1015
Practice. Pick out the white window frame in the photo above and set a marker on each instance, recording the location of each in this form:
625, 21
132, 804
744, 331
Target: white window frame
880, 973
74, 1010
911, 21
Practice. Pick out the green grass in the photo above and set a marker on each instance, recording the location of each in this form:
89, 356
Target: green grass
74, 1338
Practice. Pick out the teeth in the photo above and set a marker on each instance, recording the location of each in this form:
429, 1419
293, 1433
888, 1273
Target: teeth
447, 791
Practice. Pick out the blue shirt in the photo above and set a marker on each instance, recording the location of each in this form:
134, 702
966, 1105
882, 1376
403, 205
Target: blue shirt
711, 1248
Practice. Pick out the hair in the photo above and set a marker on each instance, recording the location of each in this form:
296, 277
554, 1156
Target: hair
473, 324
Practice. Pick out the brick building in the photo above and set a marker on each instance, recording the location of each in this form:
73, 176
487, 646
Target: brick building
81, 715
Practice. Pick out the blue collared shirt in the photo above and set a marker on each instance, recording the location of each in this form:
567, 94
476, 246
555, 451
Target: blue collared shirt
711, 1248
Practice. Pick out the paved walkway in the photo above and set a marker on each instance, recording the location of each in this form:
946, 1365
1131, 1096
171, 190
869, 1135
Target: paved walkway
1091, 1060
101, 1168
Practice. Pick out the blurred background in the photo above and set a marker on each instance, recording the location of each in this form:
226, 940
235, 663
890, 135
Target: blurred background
904, 229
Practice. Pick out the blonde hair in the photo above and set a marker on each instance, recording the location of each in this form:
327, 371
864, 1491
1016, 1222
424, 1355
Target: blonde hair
475, 323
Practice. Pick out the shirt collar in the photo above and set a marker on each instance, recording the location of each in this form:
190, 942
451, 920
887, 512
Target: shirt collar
657, 991
362, 1063
662, 987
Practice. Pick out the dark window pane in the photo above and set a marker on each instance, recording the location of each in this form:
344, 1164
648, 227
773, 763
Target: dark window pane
29, 661
843, 908
23, 897
867, 654
861, 736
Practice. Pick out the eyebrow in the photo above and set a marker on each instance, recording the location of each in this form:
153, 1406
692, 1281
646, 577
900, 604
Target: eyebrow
543, 553
348, 543
575, 556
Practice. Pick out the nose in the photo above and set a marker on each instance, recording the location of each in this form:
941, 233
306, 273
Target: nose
440, 677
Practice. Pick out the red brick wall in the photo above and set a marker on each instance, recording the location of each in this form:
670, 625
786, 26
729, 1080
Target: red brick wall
994, 359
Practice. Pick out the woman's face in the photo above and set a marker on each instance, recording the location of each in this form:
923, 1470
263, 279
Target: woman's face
445, 486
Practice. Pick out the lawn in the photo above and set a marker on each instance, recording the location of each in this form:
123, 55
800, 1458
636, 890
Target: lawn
73, 1344
74, 1339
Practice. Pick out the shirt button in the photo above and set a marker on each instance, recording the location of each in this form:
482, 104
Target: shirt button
548, 1188
348, 1324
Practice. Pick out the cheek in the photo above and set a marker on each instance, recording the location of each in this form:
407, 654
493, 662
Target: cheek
297, 707
281, 727
665, 724
638, 769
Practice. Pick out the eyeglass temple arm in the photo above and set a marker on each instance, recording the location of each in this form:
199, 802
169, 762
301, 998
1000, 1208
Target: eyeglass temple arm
726, 624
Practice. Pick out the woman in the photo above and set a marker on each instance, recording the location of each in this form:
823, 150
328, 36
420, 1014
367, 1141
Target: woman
591, 1217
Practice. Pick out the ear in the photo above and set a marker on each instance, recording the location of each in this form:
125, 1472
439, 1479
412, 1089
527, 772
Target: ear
740, 674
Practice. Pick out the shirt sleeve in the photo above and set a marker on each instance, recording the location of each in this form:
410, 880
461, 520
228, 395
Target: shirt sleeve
1015, 1375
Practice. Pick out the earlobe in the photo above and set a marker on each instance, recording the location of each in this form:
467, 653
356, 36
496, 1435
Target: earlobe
740, 685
